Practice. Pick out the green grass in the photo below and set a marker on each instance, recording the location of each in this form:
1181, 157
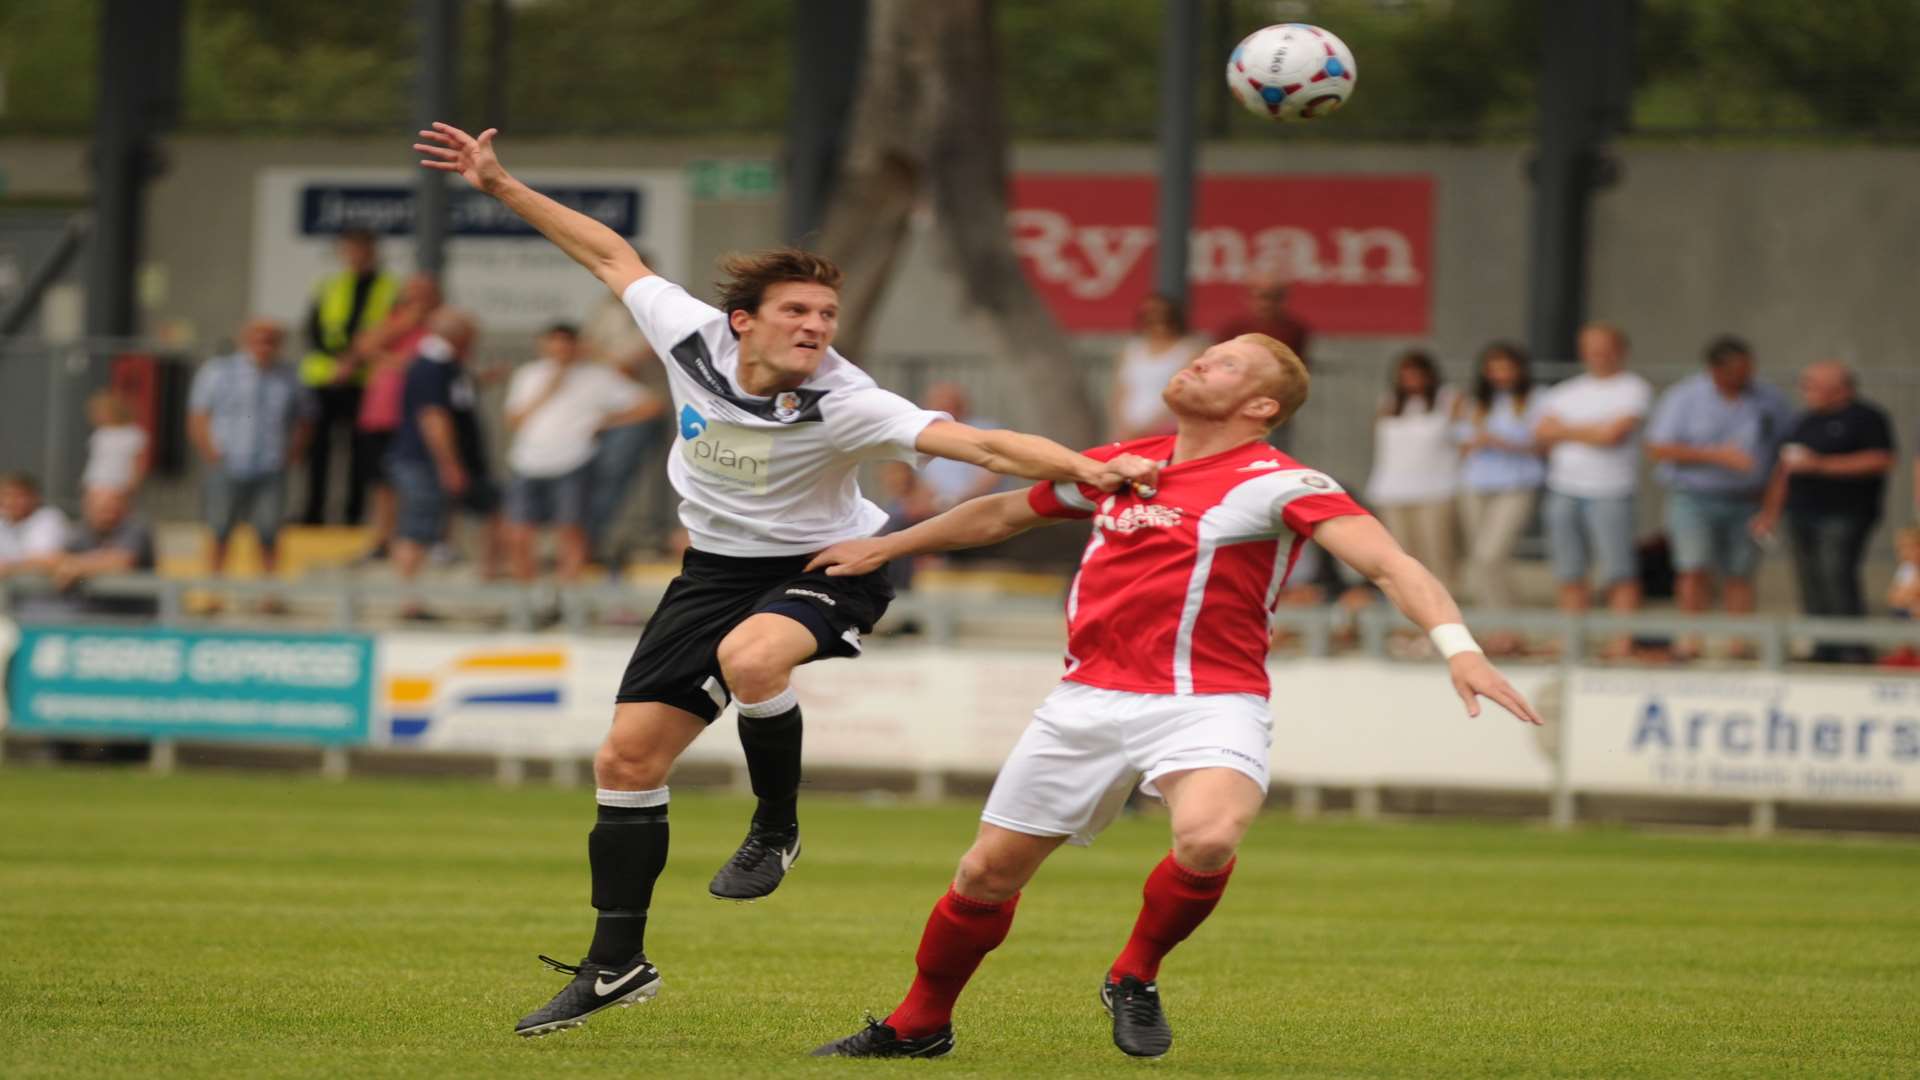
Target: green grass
268, 926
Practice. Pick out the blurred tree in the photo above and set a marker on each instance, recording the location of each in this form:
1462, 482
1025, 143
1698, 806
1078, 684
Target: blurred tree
928, 123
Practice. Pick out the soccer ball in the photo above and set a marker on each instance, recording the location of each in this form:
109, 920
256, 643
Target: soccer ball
1291, 72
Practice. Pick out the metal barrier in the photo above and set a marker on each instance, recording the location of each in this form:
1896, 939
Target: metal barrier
574, 609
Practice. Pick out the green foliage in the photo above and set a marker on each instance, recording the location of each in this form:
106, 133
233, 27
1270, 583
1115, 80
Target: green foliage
1081, 70
265, 926
47, 60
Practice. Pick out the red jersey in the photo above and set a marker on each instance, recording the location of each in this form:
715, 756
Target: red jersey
1174, 592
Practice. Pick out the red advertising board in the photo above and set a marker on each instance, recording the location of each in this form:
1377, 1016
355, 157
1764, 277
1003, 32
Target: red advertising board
1357, 250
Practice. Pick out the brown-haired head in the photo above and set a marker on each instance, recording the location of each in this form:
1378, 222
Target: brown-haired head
1288, 382
784, 306
750, 275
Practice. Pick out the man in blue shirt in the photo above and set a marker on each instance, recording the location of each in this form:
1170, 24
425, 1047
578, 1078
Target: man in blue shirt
1714, 435
250, 419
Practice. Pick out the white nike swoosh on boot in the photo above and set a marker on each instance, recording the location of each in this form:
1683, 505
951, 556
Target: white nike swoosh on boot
603, 988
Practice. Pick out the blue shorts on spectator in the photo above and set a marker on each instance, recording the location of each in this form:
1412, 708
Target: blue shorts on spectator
1591, 533
551, 500
423, 506
1711, 533
260, 501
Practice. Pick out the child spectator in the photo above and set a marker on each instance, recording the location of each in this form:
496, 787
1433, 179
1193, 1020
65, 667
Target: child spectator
1904, 596
117, 450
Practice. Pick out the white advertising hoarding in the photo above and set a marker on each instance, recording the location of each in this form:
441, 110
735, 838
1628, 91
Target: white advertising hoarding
1765, 735
496, 266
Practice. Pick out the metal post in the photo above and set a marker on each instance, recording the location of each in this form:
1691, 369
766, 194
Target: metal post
1179, 42
829, 49
139, 87
1585, 60
434, 100
499, 62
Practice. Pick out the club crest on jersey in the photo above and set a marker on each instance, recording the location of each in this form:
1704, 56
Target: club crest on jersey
786, 407
1136, 517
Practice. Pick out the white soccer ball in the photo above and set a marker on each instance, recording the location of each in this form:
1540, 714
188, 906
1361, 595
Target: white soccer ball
1291, 72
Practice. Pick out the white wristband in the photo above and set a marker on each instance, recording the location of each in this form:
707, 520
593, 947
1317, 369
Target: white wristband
1453, 639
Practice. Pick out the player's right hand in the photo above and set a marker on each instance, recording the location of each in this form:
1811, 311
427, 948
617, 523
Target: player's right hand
1130, 469
851, 558
452, 150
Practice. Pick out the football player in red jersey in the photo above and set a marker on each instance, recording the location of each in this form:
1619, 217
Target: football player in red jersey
1166, 676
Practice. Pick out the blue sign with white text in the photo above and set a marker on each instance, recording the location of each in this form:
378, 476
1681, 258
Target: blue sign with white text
175, 684
385, 210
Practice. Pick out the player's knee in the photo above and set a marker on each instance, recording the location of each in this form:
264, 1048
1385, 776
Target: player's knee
752, 667
630, 765
982, 877
1208, 846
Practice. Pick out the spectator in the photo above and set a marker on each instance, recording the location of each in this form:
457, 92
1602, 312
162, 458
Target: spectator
388, 348
250, 419
32, 534
555, 407
949, 483
1267, 314
110, 540
623, 455
1501, 472
1903, 597
1593, 463
344, 303
1415, 464
1714, 434
117, 449
1160, 347
438, 462
1829, 481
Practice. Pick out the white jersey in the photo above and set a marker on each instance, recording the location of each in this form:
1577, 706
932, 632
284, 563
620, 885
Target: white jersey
760, 476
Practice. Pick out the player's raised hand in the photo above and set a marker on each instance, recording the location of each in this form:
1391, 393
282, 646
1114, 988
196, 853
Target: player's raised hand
1474, 678
1130, 469
449, 149
851, 558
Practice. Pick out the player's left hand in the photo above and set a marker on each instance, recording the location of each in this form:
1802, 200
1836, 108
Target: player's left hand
451, 150
1130, 469
851, 558
1474, 678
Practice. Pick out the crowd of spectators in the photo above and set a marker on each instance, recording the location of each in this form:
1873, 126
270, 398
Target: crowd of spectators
1467, 478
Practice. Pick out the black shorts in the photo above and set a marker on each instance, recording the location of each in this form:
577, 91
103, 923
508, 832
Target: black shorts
677, 661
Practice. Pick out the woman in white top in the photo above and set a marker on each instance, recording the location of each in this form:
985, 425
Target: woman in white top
117, 449
1501, 468
1160, 348
1415, 463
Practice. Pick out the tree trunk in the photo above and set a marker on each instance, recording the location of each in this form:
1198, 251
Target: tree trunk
928, 122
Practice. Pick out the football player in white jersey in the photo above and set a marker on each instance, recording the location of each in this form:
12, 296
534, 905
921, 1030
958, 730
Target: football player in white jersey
773, 427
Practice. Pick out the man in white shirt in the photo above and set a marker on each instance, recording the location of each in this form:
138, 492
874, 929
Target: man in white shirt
555, 407
1590, 425
773, 426
33, 535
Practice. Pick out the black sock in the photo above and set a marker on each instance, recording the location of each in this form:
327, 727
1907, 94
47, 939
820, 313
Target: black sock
770, 735
627, 849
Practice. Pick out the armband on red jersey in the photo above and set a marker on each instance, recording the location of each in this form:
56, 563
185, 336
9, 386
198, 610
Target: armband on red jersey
1062, 499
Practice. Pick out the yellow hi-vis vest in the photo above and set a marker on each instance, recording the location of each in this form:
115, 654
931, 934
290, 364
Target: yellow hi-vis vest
333, 299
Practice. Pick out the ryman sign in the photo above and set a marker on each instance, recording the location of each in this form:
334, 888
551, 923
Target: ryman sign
1357, 250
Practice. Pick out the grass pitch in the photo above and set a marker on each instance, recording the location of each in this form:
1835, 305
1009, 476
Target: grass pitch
266, 926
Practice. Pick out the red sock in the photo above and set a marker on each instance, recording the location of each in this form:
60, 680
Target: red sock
1177, 900
960, 933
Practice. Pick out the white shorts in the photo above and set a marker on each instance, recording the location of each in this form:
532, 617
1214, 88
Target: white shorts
1070, 772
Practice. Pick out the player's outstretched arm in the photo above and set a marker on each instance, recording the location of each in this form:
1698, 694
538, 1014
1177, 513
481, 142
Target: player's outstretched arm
974, 523
1364, 544
586, 241
1032, 457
